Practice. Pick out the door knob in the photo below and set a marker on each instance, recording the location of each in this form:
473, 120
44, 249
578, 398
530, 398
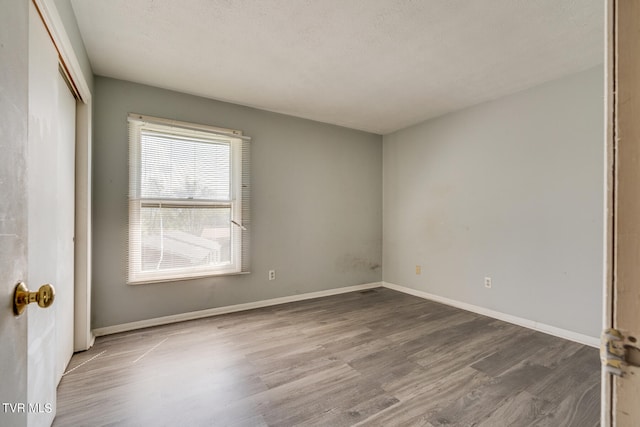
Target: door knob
23, 296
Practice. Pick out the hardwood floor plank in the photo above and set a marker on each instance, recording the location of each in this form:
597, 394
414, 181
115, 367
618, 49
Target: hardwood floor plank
297, 370
569, 376
521, 410
519, 349
470, 350
444, 338
427, 396
580, 408
481, 402
298, 402
554, 351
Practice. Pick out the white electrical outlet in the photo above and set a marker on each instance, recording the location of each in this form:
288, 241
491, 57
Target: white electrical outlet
487, 282
272, 275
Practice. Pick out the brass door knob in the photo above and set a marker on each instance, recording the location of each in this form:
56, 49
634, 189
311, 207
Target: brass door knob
23, 297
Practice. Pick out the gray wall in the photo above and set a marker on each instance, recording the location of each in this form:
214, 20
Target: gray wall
511, 189
316, 206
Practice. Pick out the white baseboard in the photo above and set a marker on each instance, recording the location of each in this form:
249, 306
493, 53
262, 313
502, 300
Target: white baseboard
531, 324
228, 309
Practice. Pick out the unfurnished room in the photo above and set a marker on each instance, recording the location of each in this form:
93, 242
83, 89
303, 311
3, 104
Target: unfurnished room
320, 213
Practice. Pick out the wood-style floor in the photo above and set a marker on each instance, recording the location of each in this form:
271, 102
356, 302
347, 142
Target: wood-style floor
376, 358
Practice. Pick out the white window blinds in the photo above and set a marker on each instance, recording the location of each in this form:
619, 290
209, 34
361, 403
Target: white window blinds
188, 200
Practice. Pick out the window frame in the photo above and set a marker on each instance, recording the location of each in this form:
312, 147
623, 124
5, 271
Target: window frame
238, 201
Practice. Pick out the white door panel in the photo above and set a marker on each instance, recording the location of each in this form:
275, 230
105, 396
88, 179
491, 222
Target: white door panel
42, 252
50, 220
13, 206
36, 215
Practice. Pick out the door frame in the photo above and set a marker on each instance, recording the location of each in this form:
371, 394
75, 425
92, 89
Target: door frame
607, 291
622, 272
83, 336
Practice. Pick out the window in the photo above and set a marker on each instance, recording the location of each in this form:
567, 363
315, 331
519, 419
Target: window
188, 200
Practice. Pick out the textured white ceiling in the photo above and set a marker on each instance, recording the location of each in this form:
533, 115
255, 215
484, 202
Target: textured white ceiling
375, 65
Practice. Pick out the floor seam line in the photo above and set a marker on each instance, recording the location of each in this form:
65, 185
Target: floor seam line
84, 363
150, 350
